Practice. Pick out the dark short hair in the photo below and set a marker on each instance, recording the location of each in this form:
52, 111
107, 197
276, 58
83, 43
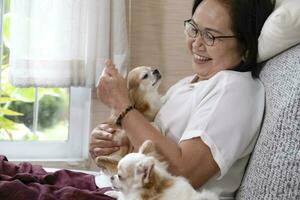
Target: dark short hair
247, 18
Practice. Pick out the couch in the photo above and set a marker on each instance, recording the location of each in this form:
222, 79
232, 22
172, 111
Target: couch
273, 171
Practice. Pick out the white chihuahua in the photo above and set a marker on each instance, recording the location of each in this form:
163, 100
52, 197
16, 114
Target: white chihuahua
141, 176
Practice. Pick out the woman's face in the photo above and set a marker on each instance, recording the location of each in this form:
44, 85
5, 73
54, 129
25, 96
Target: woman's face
213, 17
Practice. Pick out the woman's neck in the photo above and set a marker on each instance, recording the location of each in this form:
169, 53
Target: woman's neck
195, 79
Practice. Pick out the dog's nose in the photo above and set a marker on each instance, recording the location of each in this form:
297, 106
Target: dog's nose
155, 72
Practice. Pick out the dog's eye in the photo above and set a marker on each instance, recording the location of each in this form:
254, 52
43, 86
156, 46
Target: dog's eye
120, 177
145, 76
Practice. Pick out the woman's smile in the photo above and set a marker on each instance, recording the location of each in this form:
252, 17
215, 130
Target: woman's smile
199, 59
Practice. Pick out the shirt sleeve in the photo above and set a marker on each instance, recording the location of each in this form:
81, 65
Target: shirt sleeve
227, 120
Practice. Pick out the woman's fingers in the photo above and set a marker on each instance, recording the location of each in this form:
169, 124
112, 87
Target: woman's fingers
106, 127
110, 69
102, 151
101, 147
102, 130
109, 64
105, 151
103, 143
102, 135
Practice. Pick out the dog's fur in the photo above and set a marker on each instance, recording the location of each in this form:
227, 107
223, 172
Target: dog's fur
141, 176
142, 83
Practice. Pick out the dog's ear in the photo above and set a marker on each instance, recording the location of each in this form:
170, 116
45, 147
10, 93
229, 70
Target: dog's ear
133, 83
132, 96
144, 169
148, 147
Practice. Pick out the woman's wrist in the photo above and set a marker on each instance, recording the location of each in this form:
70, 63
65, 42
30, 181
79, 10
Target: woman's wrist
123, 114
122, 106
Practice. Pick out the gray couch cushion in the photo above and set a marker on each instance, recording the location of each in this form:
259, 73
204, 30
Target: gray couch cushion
273, 171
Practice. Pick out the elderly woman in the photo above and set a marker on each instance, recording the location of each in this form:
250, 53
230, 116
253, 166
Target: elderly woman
219, 109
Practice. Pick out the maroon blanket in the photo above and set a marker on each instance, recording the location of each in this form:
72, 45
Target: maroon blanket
31, 182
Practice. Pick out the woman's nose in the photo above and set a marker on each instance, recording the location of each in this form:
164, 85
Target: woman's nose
198, 39
198, 42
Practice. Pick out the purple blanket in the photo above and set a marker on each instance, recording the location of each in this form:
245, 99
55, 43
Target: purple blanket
31, 182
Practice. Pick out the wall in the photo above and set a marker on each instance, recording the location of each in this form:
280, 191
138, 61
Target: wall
156, 38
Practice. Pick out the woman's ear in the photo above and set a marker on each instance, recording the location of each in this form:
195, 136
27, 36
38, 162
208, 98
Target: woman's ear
245, 55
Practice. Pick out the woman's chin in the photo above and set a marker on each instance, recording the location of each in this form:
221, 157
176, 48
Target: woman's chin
203, 71
202, 67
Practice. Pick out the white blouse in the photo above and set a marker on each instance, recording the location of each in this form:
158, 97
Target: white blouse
226, 112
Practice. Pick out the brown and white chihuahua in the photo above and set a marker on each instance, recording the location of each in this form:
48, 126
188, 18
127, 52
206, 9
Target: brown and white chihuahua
144, 175
142, 83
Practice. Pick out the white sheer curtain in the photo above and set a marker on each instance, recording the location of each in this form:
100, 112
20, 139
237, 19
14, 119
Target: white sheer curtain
62, 43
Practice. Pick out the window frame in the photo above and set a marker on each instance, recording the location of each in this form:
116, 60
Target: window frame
75, 148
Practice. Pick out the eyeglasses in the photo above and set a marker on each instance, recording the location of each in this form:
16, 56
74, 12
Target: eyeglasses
193, 31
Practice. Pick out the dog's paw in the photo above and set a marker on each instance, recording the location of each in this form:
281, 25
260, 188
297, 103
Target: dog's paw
113, 194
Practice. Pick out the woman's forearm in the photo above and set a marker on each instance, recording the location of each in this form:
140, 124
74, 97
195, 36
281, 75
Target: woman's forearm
139, 129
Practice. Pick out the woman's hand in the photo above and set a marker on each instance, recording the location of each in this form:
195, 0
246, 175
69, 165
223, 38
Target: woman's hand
112, 88
101, 142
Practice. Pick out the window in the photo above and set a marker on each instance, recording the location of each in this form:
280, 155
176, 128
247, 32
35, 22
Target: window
40, 123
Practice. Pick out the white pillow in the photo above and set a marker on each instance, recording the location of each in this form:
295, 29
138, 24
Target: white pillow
281, 30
